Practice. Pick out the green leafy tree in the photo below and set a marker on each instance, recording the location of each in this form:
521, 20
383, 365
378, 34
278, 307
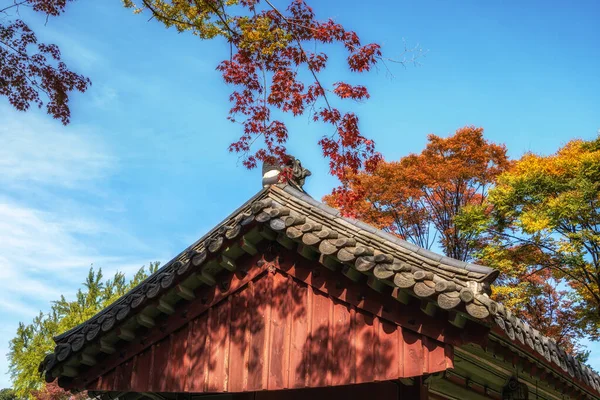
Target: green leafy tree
8, 394
33, 341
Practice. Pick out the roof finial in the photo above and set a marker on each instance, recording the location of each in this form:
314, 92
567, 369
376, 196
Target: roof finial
291, 173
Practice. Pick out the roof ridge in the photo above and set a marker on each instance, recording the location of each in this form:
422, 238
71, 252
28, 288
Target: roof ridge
490, 272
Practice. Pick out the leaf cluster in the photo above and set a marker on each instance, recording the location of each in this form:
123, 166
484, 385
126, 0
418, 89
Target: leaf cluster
419, 196
32, 72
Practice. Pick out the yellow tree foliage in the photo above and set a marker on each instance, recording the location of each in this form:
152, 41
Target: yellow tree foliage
543, 233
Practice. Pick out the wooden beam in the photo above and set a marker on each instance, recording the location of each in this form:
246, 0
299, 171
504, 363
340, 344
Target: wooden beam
267, 232
205, 278
407, 381
106, 347
375, 284
69, 371
285, 241
86, 359
308, 252
145, 320
329, 262
351, 273
125, 334
165, 307
248, 246
428, 308
184, 292
457, 319
402, 296
227, 263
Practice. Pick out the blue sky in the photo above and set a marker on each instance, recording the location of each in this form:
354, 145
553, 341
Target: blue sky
143, 169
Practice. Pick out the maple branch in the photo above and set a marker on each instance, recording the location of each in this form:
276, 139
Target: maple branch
310, 68
318, 82
27, 61
15, 4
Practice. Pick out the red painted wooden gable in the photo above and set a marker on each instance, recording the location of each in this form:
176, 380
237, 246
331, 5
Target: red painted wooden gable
280, 331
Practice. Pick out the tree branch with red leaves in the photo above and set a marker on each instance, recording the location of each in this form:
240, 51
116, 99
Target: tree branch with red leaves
33, 72
268, 56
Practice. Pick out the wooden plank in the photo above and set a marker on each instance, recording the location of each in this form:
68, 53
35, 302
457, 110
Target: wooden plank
198, 355
179, 361
218, 347
118, 381
239, 341
267, 297
108, 381
413, 354
365, 339
160, 359
377, 369
140, 371
343, 367
436, 354
276, 333
257, 340
388, 356
278, 340
401, 355
331, 362
425, 354
288, 307
123, 376
319, 338
299, 336
382, 305
449, 354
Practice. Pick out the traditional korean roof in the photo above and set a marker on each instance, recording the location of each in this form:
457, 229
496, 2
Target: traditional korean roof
286, 215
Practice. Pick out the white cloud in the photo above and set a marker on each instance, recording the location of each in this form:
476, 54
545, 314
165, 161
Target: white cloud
41, 151
43, 255
50, 231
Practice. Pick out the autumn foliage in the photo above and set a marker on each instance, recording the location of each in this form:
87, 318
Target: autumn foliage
418, 196
269, 62
33, 72
51, 391
544, 230
536, 220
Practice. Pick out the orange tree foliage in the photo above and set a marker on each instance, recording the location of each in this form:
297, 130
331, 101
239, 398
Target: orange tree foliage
271, 50
32, 72
544, 226
51, 391
419, 196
